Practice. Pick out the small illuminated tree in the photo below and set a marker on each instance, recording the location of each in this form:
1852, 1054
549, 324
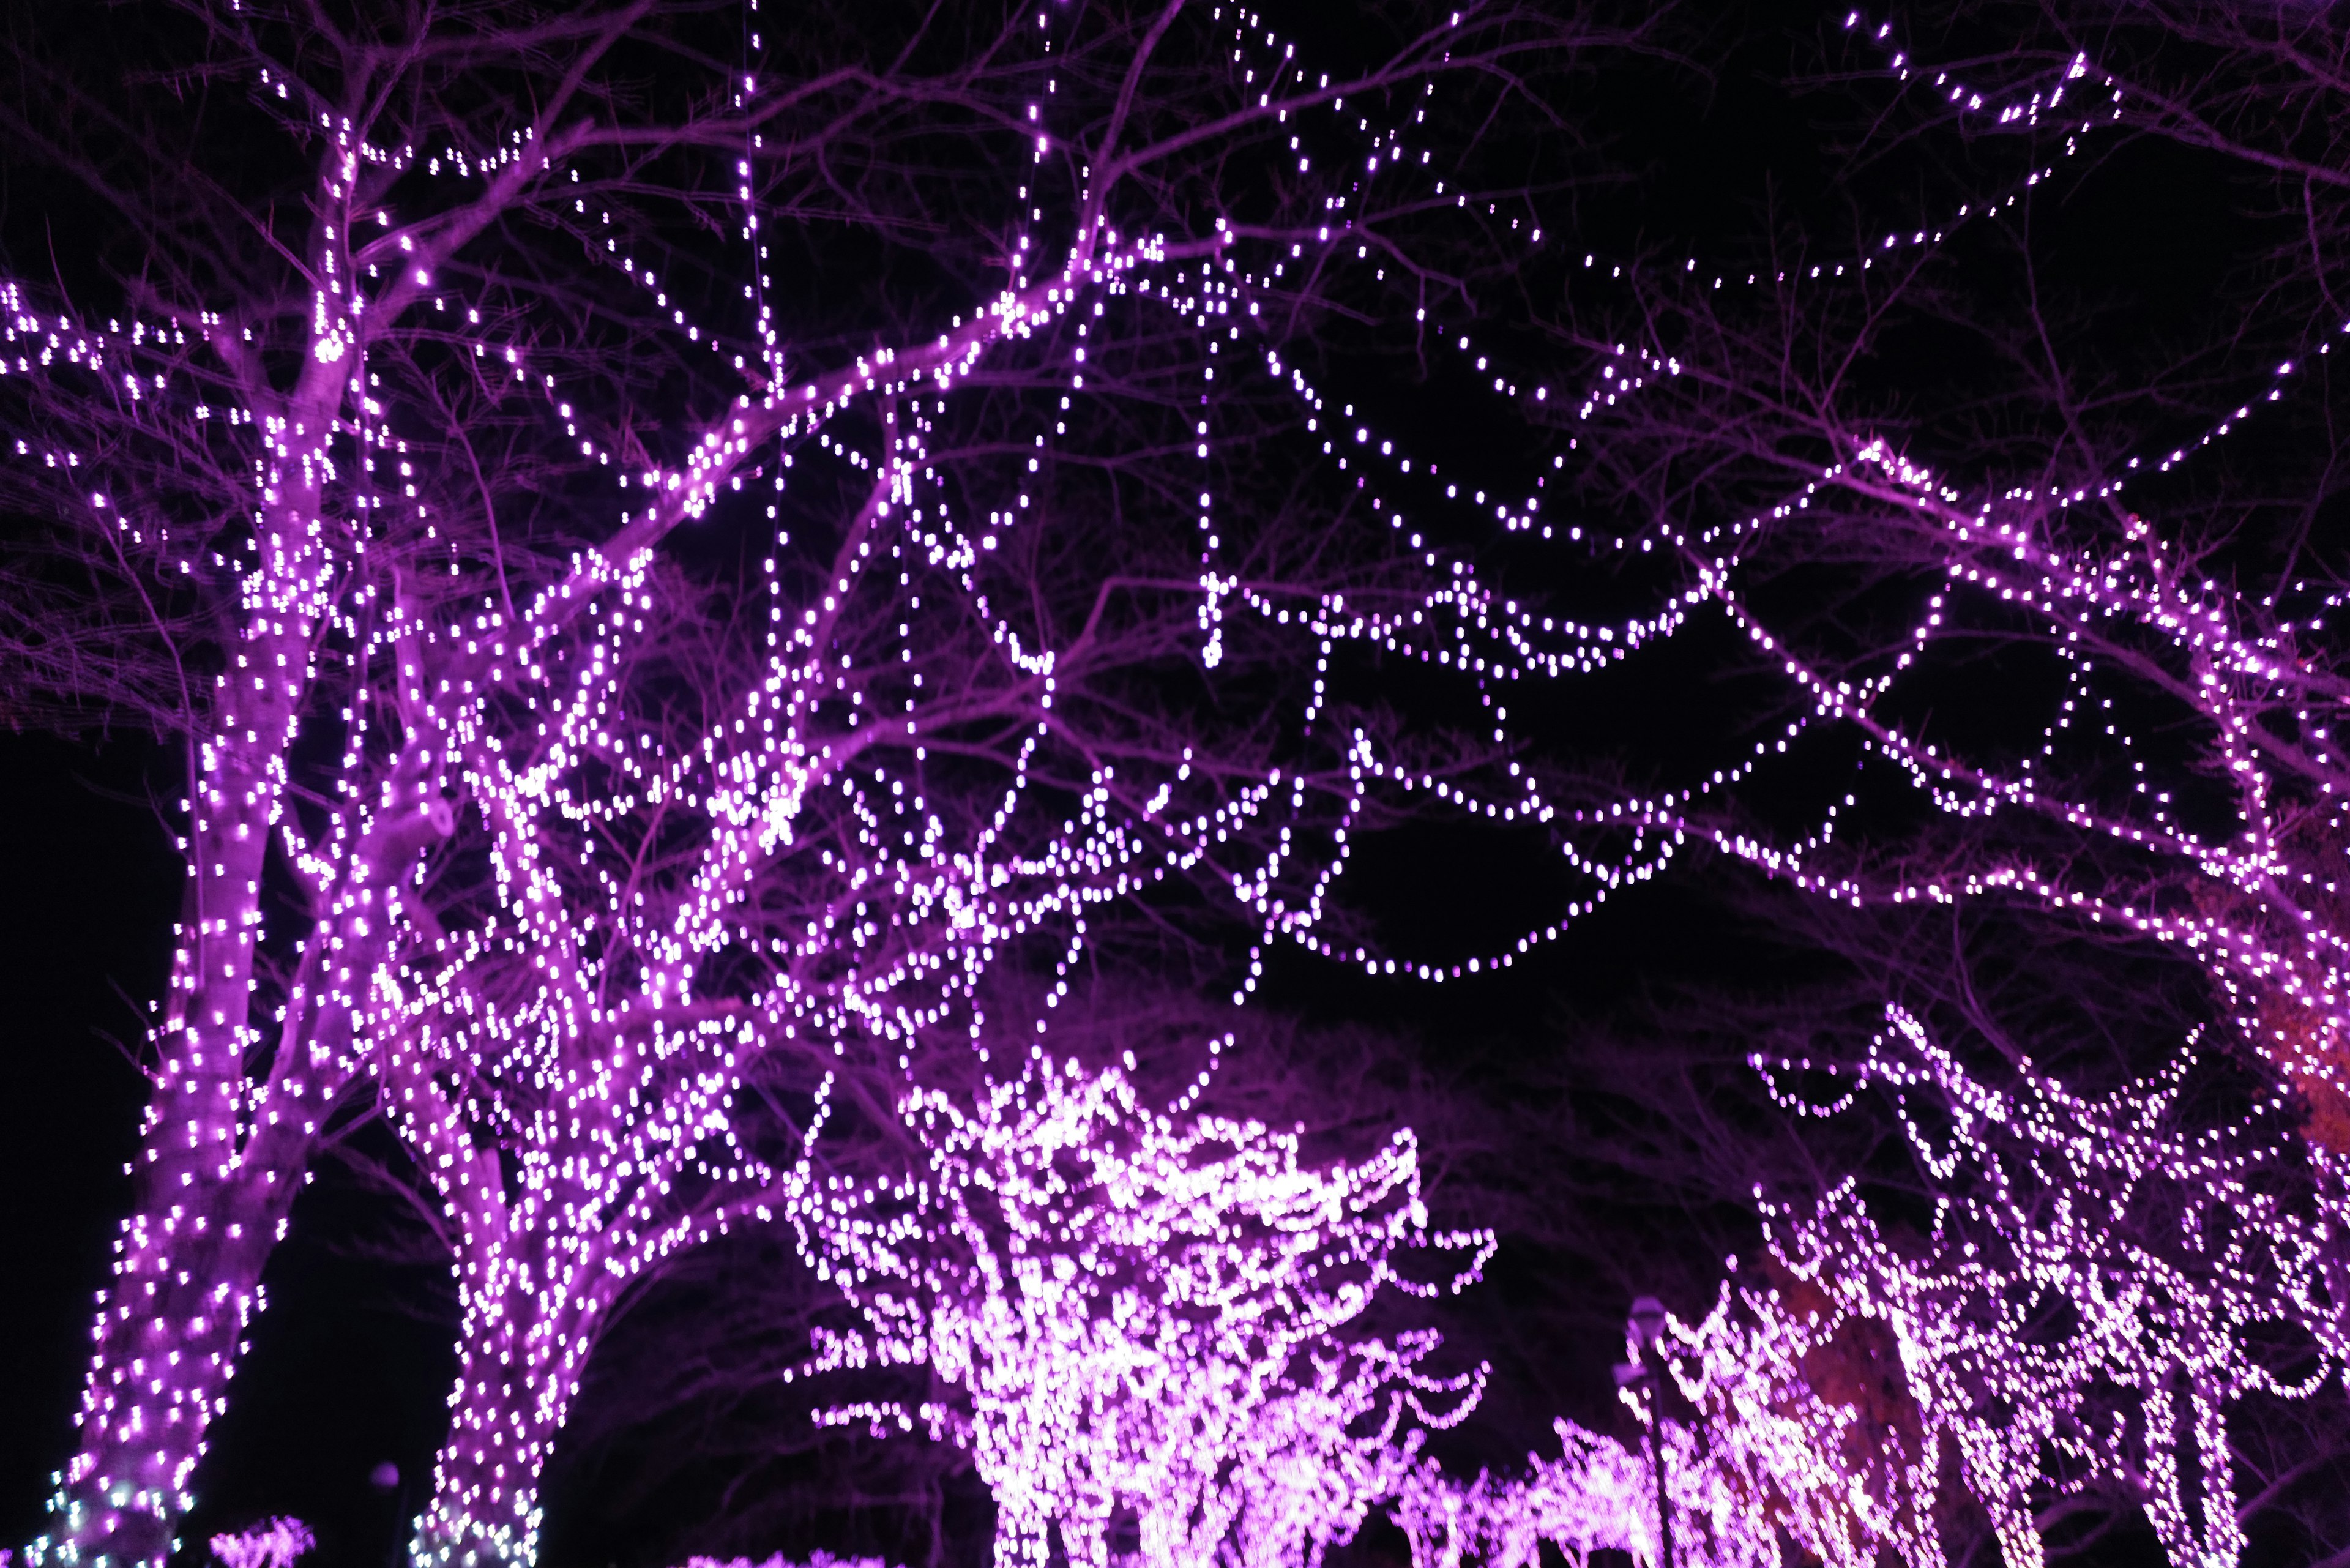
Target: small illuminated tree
279, 1543
1141, 1312
2101, 1282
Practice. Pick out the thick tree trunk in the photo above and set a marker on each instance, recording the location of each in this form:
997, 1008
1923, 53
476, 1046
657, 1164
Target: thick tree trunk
222, 1152
168, 1337
534, 1292
530, 1321
220, 1163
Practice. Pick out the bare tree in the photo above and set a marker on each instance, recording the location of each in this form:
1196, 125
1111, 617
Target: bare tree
2087, 530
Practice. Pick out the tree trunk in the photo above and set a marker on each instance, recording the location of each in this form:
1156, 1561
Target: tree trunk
531, 1317
168, 1336
220, 1163
222, 1154
534, 1292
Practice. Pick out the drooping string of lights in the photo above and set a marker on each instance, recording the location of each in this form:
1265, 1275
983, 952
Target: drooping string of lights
2264, 691
2267, 702
1655, 825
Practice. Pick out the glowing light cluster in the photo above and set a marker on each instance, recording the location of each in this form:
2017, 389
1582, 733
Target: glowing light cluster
1144, 1310
276, 1544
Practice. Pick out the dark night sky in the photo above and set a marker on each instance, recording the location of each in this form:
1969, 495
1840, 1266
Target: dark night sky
92, 889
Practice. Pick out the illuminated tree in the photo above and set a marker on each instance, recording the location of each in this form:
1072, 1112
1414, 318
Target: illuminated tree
2101, 1282
580, 840
706, 1384
1142, 1310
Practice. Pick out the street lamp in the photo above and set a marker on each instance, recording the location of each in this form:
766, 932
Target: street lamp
1645, 1331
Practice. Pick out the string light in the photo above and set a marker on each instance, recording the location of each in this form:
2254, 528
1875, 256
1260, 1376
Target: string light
2084, 1249
2097, 1268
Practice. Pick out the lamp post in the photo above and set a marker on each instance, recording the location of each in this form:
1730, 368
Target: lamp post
1645, 1331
